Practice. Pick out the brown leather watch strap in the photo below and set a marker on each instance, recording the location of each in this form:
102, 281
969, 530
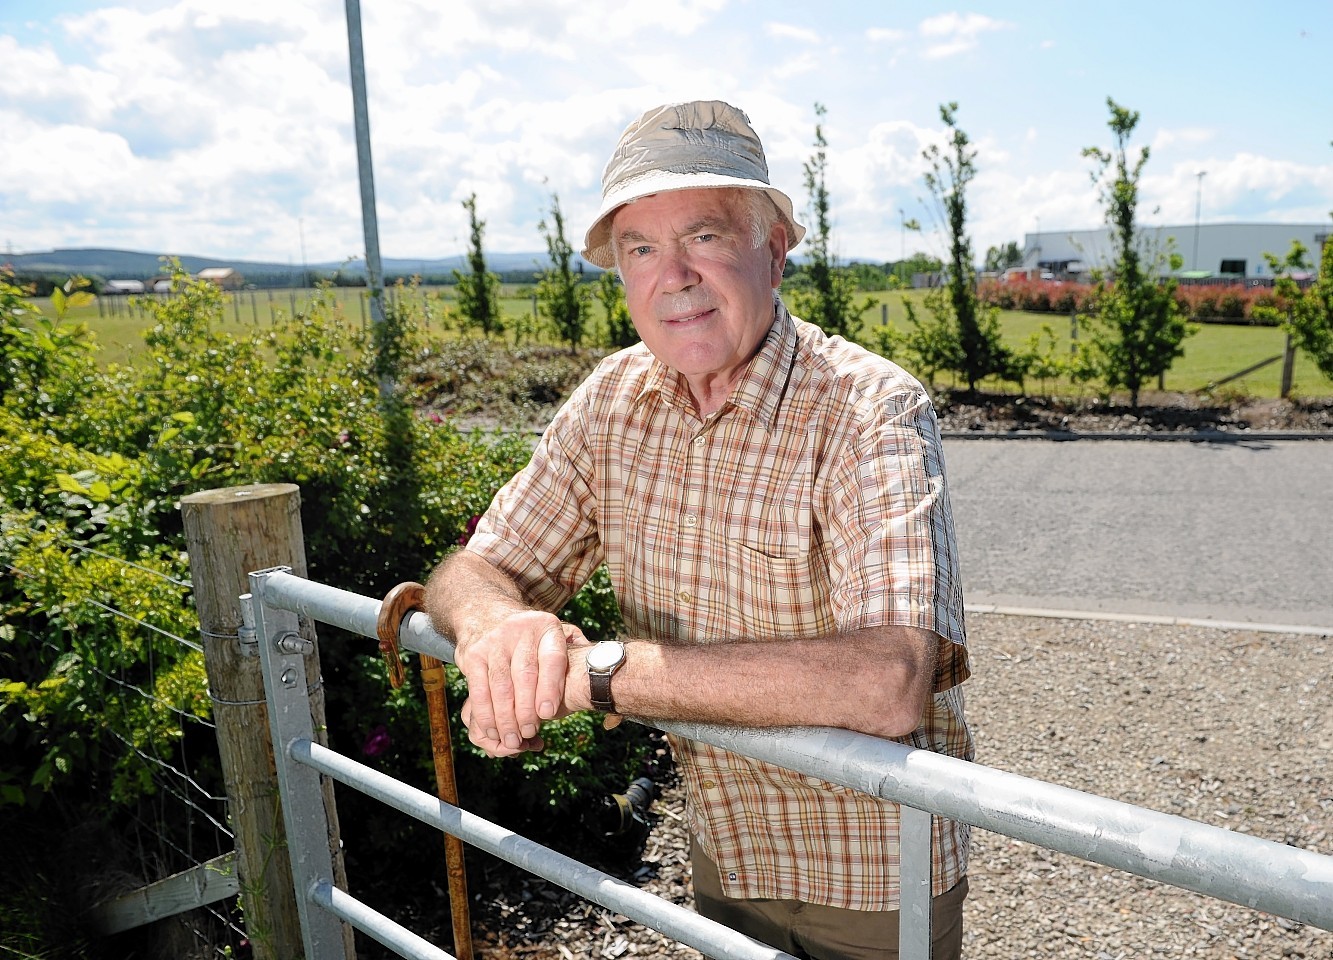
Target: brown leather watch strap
599, 687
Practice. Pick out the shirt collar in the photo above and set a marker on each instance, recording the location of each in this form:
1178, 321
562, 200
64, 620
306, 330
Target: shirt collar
761, 386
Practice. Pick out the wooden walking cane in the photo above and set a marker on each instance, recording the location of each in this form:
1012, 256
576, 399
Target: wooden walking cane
396, 605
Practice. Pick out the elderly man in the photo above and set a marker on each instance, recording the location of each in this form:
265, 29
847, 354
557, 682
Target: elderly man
771, 505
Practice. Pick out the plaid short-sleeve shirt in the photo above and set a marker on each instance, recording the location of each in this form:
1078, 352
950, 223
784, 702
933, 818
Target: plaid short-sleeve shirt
813, 502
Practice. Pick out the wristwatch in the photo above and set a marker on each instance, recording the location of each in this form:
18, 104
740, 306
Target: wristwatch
604, 659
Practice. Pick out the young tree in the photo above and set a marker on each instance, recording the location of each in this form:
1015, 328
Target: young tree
1308, 314
1138, 327
478, 290
828, 298
1003, 257
979, 349
560, 297
620, 330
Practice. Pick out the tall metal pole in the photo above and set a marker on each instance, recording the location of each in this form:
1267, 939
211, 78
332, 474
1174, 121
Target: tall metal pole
369, 222
1198, 205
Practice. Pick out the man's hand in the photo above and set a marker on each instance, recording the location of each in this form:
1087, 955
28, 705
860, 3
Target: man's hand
516, 675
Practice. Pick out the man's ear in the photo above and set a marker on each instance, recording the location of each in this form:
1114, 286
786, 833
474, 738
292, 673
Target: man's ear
777, 248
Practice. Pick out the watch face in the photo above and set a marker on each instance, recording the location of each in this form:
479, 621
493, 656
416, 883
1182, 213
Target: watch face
605, 655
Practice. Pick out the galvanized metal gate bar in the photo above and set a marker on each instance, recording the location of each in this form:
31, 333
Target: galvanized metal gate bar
371, 922
1255, 873
914, 889
682, 924
281, 649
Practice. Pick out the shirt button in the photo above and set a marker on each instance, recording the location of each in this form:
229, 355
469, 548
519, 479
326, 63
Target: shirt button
691, 520
709, 784
699, 440
684, 596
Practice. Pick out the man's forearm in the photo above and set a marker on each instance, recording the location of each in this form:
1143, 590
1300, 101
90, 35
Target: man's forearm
467, 596
875, 681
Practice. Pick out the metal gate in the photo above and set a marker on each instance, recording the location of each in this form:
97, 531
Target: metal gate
1259, 874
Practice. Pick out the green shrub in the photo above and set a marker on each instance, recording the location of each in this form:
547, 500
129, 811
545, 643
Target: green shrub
93, 465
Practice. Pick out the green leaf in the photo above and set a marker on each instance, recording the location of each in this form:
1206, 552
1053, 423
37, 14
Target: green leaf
184, 416
69, 484
100, 491
169, 434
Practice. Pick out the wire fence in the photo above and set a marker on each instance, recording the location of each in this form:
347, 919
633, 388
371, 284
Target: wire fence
168, 807
257, 307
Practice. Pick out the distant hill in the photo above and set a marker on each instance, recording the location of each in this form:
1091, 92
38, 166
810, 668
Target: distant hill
132, 265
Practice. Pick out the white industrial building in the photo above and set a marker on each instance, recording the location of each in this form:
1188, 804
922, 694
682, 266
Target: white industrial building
1231, 250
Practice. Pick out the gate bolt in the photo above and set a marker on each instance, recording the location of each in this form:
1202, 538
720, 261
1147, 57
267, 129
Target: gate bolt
294, 643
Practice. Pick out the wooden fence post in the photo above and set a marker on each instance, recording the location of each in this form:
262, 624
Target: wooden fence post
1288, 367
229, 533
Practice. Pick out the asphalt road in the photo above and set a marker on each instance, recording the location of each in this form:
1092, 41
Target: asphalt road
1233, 531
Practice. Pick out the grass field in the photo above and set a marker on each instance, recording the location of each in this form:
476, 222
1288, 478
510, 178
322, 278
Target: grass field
1213, 354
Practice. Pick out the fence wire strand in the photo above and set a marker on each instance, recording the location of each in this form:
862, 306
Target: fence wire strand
121, 560
172, 810
183, 714
180, 775
198, 648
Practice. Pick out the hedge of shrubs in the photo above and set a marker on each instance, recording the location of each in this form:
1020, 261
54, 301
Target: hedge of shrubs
94, 591
1234, 303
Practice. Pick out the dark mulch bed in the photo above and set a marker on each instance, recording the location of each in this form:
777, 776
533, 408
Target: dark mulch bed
485, 385
1157, 413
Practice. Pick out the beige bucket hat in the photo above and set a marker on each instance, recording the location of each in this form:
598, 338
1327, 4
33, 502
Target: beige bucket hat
683, 146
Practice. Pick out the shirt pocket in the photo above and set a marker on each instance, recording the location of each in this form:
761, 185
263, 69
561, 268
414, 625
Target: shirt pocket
774, 518
771, 597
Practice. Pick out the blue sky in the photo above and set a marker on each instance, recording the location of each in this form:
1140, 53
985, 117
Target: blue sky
225, 129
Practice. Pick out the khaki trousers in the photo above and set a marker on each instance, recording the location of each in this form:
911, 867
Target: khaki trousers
815, 932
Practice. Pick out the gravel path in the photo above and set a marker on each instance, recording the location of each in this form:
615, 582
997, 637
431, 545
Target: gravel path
1228, 727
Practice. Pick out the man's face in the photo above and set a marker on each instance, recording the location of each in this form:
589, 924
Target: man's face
699, 292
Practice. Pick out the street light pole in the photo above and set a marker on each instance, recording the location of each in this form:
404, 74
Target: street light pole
365, 169
1198, 205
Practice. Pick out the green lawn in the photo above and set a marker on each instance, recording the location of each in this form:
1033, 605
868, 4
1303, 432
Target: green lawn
119, 324
1212, 354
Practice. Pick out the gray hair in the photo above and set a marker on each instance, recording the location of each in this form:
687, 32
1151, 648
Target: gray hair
758, 212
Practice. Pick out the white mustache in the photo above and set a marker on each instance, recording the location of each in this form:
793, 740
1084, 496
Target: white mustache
685, 305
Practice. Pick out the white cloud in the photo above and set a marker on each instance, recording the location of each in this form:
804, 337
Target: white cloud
220, 128
956, 33
1005, 206
52, 160
789, 67
1184, 136
885, 35
1259, 188
787, 31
